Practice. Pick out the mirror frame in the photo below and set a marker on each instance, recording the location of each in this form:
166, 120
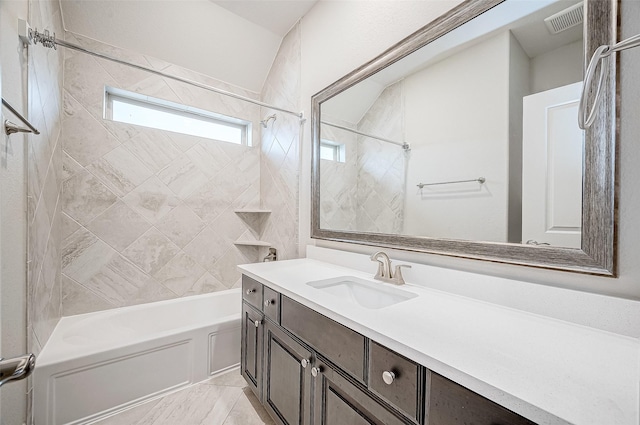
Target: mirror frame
597, 254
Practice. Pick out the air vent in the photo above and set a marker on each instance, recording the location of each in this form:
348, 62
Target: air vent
565, 19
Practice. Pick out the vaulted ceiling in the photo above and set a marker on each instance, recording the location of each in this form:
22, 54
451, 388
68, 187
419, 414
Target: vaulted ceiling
231, 40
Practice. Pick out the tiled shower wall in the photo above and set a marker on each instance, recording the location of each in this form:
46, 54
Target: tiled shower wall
280, 161
44, 179
148, 214
367, 192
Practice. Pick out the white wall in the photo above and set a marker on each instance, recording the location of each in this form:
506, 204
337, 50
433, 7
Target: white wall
457, 122
337, 37
557, 68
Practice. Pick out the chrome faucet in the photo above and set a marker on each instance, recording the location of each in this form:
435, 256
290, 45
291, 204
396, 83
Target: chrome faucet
384, 269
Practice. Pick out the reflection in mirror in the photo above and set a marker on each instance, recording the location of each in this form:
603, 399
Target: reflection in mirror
495, 99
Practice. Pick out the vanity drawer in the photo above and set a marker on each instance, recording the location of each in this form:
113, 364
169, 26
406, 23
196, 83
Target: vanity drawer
339, 344
452, 404
404, 380
271, 305
252, 292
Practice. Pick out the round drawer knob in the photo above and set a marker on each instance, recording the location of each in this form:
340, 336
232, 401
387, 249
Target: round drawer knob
304, 363
257, 323
251, 291
388, 377
267, 303
315, 371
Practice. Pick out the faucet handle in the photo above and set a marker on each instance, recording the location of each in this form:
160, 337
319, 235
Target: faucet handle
397, 274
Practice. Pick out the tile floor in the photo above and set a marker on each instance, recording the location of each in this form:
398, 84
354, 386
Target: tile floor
224, 400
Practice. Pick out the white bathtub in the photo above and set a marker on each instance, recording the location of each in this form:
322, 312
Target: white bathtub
99, 363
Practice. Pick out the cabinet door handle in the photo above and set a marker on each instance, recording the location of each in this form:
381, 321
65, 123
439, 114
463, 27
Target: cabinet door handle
315, 371
257, 323
251, 291
267, 303
388, 377
304, 363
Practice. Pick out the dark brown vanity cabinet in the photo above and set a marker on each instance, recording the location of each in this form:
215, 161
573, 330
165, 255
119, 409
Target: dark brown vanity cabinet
251, 348
286, 377
307, 369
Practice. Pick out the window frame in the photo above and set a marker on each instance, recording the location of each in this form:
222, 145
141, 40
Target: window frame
148, 102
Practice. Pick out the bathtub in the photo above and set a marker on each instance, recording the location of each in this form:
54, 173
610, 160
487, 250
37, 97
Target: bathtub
99, 363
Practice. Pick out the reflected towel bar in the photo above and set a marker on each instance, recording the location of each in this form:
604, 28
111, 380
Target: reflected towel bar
10, 128
479, 180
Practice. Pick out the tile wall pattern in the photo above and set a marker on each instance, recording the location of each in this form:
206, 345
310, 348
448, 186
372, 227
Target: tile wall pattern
44, 180
148, 215
367, 192
280, 160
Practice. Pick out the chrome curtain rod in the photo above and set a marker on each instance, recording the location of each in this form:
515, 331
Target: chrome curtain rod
480, 180
10, 128
51, 41
403, 145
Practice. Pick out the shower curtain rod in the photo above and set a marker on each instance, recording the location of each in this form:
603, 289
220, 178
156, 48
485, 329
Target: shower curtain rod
50, 41
403, 145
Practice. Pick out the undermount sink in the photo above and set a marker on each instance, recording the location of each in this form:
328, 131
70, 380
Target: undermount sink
365, 293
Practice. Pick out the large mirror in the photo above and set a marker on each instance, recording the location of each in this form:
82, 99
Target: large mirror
463, 140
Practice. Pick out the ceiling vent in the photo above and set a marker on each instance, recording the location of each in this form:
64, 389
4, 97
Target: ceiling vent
565, 19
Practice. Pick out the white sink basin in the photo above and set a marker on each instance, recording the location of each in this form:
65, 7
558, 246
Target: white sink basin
365, 293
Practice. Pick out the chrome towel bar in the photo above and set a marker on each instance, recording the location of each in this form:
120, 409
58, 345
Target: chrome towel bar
10, 128
480, 180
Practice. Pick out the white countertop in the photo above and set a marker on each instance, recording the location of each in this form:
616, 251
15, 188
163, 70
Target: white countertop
548, 370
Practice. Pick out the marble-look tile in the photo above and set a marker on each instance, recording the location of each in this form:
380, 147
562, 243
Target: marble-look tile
76, 299
182, 176
206, 249
210, 200
184, 142
230, 379
181, 225
208, 157
153, 148
196, 405
248, 411
120, 171
85, 197
151, 251
69, 166
84, 138
85, 80
180, 274
130, 416
152, 199
226, 268
206, 284
119, 226
38, 238
84, 255
69, 226
121, 283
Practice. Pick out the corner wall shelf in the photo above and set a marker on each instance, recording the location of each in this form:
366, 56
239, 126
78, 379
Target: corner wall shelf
252, 243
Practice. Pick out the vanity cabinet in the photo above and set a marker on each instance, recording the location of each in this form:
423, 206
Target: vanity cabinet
286, 377
307, 369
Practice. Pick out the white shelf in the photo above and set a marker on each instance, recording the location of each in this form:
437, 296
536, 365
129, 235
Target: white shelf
252, 211
253, 243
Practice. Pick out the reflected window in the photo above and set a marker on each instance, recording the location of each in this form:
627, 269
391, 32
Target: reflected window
332, 151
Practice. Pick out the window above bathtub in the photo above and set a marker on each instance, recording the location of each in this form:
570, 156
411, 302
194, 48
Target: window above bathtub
134, 108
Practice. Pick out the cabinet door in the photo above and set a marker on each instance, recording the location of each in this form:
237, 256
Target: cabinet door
337, 401
251, 348
287, 377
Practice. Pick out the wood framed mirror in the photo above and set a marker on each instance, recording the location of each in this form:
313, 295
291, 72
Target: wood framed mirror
389, 171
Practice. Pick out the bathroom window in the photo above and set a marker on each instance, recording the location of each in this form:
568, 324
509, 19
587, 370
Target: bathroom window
134, 108
332, 151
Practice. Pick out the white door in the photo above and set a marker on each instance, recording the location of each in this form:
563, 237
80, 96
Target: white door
552, 167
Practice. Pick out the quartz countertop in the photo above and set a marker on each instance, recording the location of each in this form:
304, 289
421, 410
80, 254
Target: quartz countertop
548, 370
